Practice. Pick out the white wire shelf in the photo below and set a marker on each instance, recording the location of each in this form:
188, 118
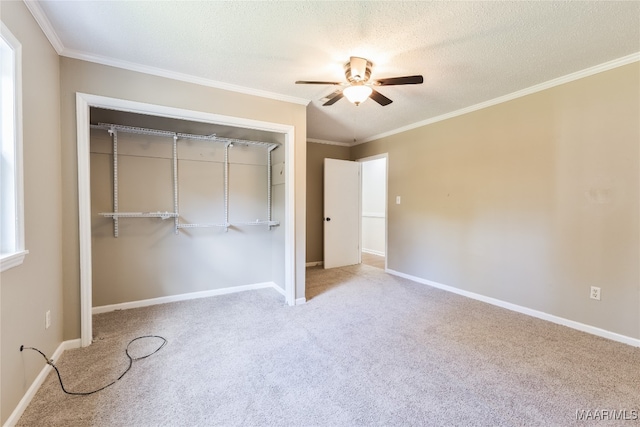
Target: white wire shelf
162, 215
204, 225
156, 132
230, 224
258, 222
114, 129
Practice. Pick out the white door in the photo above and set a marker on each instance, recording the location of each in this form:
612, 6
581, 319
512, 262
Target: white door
341, 213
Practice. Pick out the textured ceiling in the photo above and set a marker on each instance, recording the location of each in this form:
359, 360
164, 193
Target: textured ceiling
468, 52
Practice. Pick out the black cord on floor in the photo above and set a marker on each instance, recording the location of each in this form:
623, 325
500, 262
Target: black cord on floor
131, 360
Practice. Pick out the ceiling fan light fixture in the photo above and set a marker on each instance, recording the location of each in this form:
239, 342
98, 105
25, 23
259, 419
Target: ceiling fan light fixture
357, 94
358, 87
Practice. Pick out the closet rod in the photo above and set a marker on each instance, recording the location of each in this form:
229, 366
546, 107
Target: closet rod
156, 132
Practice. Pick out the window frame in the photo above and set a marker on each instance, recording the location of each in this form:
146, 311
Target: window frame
16, 255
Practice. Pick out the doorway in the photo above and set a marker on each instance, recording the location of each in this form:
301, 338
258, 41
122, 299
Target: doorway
374, 210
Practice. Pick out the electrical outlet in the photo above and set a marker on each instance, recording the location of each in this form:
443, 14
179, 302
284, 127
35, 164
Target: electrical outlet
47, 319
595, 293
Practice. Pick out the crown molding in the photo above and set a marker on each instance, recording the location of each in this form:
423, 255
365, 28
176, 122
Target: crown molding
188, 78
625, 60
324, 141
45, 24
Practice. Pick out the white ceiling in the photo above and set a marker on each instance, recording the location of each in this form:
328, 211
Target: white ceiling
469, 52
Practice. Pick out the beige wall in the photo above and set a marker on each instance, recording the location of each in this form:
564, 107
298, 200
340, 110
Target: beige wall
531, 202
29, 290
316, 153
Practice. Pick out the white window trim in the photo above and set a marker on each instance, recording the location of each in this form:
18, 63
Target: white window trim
16, 258
13, 260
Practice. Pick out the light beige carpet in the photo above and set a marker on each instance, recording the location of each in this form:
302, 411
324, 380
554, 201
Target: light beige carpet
367, 349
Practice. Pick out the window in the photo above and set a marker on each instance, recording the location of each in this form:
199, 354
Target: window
12, 250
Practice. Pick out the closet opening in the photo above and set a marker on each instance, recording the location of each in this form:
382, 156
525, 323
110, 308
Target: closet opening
177, 204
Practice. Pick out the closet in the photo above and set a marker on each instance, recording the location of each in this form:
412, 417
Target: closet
181, 207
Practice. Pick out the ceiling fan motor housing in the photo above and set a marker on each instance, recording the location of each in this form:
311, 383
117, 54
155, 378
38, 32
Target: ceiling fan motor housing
357, 70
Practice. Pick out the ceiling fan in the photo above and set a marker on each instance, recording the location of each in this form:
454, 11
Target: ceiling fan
358, 87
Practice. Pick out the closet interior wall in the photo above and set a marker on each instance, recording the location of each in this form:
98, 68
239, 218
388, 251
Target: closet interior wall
148, 259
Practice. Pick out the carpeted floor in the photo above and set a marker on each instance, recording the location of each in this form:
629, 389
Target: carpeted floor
367, 349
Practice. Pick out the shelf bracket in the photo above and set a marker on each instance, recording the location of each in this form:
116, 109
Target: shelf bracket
114, 135
226, 185
175, 182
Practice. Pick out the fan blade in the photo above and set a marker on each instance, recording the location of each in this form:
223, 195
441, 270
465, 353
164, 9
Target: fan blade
305, 82
380, 98
406, 80
335, 98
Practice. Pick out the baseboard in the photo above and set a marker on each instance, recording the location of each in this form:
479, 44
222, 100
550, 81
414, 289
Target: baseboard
70, 345
184, 297
37, 383
372, 252
300, 301
278, 289
314, 263
525, 310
